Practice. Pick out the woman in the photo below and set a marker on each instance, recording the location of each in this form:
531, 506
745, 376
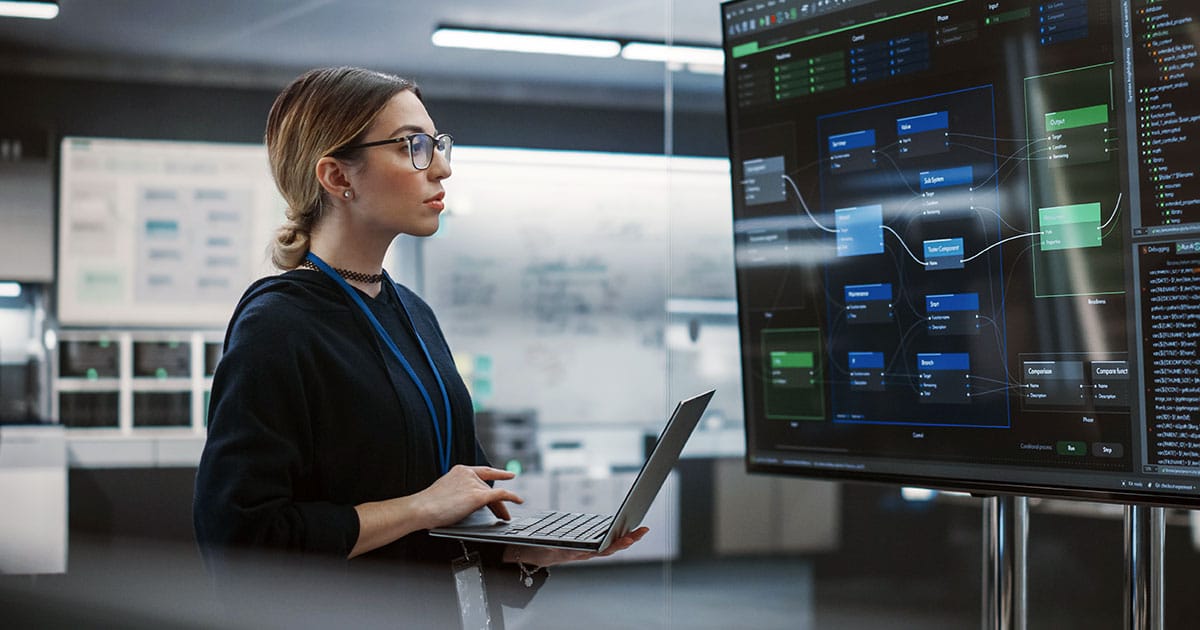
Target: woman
338, 425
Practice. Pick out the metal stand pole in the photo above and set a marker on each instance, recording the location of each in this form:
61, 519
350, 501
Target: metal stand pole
1005, 532
1144, 531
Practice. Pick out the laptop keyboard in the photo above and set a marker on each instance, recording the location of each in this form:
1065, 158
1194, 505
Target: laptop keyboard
562, 526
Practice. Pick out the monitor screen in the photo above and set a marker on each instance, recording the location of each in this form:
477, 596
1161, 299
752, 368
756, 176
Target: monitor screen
967, 240
160, 232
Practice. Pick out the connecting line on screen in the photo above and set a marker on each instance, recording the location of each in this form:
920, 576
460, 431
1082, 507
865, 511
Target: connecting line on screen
1000, 346
992, 391
1008, 282
1009, 384
801, 169
890, 145
997, 244
903, 345
993, 211
1027, 158
805, 205
912, 255
1007, 160
899, 172
1116, 210
832, 299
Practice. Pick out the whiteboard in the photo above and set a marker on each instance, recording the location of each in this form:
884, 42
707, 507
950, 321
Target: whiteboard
161, 233
551, 273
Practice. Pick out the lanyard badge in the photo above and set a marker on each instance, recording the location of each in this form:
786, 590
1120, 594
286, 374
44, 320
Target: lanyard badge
472, 591
443, 445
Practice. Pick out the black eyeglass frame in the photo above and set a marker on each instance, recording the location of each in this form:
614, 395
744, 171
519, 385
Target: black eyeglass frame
412, 155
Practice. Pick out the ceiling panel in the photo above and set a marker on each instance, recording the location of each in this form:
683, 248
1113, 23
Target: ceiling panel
268, 40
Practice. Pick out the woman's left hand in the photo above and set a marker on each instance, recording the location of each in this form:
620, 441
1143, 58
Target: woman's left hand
546, 557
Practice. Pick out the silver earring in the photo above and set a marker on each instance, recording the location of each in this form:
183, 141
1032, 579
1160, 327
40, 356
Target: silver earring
346, 193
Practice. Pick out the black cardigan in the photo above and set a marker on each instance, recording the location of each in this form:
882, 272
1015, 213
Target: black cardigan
310, 415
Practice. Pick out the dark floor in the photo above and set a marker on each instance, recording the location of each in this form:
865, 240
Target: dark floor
898, 565
144, 585
734, 593
154, 586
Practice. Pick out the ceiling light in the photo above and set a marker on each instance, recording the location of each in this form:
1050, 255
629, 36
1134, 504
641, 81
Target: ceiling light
39, 9
10, 290
454, 37
703, 68
700, 55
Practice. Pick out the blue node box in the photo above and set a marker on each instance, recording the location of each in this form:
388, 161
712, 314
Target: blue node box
853, 151
943, 253
866, 370
1062, 21
868, 303
946, 178
859, 230
952, 314
924, 134
943, 377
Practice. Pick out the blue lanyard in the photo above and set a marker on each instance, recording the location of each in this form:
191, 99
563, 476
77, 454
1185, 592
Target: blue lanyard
443, 446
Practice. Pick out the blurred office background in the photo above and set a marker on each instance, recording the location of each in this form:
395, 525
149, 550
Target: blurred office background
583, 276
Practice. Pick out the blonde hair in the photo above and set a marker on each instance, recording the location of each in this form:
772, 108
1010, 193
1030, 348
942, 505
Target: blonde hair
321, 111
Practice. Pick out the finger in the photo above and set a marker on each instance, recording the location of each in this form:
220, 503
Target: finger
621, 544
576, 556
500, 510
488, 473
496, 495
631, 537
626, 541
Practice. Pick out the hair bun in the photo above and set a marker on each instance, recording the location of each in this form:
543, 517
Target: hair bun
291, 244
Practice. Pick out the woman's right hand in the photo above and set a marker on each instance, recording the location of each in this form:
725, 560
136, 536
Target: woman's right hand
449, 500
462, 491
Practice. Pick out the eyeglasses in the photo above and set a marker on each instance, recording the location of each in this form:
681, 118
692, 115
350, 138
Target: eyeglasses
420, 147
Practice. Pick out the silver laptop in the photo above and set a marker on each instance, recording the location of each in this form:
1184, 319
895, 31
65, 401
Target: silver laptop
591, 532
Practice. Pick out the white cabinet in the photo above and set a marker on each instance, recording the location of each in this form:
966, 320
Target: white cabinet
33, 493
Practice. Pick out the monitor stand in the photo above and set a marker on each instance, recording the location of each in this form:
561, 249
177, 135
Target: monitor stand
1144, 552
1005, 533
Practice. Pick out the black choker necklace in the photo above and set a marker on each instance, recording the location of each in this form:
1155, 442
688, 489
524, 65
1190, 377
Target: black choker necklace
365, 278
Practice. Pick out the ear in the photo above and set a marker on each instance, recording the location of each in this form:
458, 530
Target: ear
333, 175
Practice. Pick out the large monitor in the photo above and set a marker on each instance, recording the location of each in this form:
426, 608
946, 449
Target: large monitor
967, 240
